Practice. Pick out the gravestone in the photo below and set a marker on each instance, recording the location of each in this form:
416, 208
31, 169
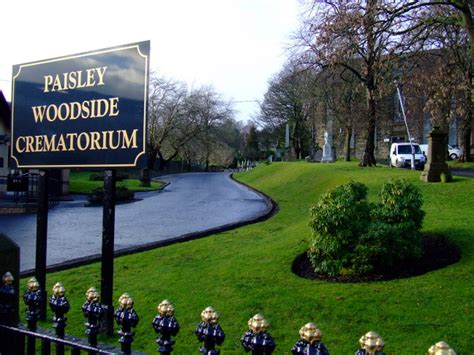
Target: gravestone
277, 154
328, 155
10, 262
436, 168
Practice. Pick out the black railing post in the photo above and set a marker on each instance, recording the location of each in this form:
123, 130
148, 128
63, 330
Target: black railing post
7, 300
127, 318
94, 311
310, 341
371, 343
257, 340
108, 235
210, 332
33, 299
42, 236
167, 326
60, 306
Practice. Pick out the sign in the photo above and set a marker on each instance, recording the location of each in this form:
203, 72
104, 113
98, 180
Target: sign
83, 110
17, 183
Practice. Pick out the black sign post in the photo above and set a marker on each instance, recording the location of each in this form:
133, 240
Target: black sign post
42, 236
86, 110
108, 235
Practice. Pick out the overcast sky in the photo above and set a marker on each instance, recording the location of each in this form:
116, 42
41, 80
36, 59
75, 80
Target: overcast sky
234, 45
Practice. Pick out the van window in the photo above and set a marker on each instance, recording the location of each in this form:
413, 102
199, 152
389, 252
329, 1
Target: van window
406, 149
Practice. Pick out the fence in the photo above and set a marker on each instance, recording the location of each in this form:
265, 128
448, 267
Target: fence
25, 187
17, 339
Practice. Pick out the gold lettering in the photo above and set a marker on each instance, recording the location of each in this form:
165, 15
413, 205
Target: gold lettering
111, 141
102, 107
60, 110
70, 136
57, 84
90, 77
85, 109
38, 113
114, 111
38, 143
101, 73
50, 144
79, 80
95, 136
29, 144
126, 141
72, 80
48, 80
75, 105
79, 141
93, 115
17, 144
48, 113
61, 143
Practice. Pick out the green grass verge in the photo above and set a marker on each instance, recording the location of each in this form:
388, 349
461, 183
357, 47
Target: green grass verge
465, 165
79, 183
247, 271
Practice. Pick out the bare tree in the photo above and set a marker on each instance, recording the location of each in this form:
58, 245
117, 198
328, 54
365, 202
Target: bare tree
209, 110
449, 27
288, 100
354, 35
343, 95
170, 125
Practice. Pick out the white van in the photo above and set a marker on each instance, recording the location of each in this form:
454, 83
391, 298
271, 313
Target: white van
401, 155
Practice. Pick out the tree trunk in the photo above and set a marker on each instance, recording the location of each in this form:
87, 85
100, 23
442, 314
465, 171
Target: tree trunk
161, 161
368, 159
468, 24
465, 138
151, 158
347, 143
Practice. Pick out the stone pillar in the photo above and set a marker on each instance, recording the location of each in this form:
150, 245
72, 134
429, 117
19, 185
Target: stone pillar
65, 178
436, 165
10, 262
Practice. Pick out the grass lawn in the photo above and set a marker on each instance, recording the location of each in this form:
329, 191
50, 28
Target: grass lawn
465, 165
247, 271
80, 183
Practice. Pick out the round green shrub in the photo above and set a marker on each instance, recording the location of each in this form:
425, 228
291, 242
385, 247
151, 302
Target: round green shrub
338, 220
96, 177
352, 236
121, 194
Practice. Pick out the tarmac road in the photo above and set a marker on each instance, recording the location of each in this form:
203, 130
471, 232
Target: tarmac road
190, 203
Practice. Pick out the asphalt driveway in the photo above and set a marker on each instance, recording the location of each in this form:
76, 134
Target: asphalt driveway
190, 204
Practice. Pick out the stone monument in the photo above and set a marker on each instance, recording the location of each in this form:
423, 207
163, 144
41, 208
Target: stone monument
436, 169
328, 156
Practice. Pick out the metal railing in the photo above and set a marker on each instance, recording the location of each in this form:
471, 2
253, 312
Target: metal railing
25, 187
17, 339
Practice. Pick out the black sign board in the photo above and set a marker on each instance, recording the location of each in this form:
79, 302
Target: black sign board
17, 183
83, 110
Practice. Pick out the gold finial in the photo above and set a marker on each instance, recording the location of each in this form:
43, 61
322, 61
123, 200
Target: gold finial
371, 342
166, 308
8, 278
310, 333
92, 295
441, 348
125, 301
33, 284
58, 289
258, 324
209, 315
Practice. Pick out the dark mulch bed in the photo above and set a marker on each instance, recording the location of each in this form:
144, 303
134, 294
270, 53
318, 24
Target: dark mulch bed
438, 252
